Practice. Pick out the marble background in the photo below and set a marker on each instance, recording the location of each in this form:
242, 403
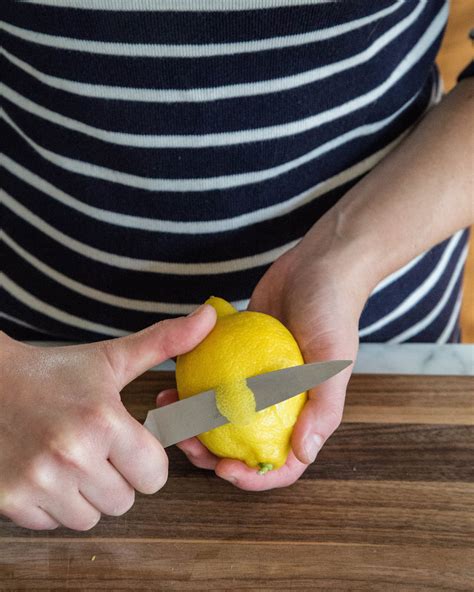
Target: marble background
405, 358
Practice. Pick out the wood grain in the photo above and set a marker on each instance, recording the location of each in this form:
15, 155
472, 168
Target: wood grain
389, 399
360, 512
185, 566
387, 506
401, 399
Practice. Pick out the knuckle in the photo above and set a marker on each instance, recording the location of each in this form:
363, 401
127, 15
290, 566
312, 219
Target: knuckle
67, 450
72, 449
39, 474
112, 355
101, 418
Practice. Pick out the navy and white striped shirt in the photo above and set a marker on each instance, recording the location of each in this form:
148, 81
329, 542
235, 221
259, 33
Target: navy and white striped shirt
160, 151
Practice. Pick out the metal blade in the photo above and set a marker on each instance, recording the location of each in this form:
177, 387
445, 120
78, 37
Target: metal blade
198, 414
185, 418
274, 387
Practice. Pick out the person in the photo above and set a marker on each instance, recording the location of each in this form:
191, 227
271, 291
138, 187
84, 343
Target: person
296, 157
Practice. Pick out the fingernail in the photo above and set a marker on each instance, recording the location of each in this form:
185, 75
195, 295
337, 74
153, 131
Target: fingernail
312, 445
197, 311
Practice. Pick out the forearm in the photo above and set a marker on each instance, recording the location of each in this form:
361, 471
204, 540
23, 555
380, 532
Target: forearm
416, 197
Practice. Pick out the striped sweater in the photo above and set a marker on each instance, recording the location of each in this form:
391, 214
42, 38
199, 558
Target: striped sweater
159, 151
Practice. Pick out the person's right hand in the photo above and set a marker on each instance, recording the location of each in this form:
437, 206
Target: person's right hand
69, 450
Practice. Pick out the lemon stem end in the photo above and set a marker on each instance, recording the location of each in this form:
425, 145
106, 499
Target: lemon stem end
264, 468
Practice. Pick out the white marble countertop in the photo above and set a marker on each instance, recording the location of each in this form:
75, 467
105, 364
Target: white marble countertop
416, 358
405, 358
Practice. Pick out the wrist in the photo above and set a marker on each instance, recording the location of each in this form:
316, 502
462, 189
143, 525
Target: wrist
404, 205
331, 250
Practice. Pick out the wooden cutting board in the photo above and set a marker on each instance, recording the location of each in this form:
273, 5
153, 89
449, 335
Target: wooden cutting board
388, 506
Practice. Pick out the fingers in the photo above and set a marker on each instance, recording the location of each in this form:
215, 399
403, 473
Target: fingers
71, 481
242, 476
72, 510
104, 491
166, 397
33, 518
196, 452
139, 457
320, 417
132, 355
107, 490
45, 509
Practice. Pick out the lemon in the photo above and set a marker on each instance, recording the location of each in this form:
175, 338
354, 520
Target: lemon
241, 345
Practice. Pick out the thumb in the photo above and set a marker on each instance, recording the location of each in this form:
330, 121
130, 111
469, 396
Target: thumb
320, 417
323, 411
132, 355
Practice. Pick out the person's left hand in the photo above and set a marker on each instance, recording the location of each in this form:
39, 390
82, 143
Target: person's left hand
318, 288
321, 308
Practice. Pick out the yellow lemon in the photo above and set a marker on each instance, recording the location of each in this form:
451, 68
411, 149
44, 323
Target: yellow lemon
241, 345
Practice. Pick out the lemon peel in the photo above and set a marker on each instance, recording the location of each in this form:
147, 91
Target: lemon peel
236, 402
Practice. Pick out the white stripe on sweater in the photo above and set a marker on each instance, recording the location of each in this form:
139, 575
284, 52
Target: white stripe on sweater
154, 141
421, 291
160, 50
426, 321
445, 335
150, 306
199, 227
4, 315
94, 294
200, 183
397, 274
302, 125
55, 313
148, 265
243, 89
175, 5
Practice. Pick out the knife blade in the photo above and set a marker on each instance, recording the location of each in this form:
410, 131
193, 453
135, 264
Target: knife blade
195, 415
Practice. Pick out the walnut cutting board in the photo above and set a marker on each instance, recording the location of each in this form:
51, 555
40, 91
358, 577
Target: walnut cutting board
387, 506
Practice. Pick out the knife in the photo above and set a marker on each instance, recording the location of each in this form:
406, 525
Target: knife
198, 414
